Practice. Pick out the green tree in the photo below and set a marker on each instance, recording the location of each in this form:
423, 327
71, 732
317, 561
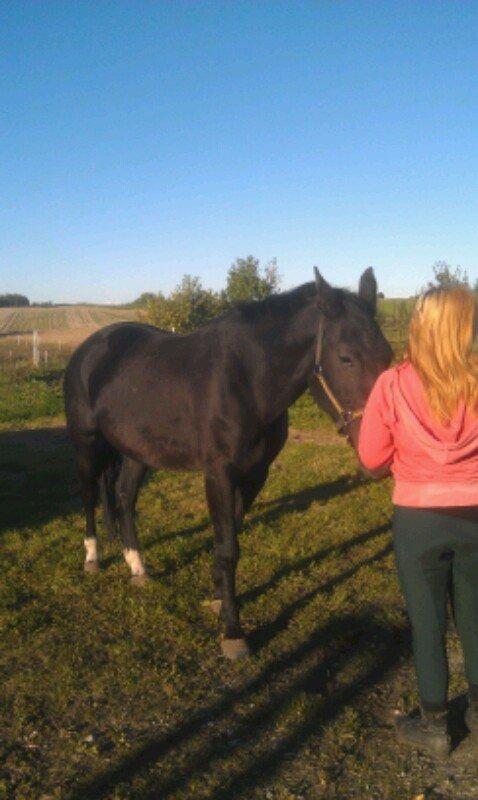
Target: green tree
445, 275
13, 300
142, 300
246, 280
187, 307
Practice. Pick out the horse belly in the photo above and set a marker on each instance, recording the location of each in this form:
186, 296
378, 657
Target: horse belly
150, 444
169, 452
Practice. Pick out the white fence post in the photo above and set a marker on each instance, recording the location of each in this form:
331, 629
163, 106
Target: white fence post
36, 349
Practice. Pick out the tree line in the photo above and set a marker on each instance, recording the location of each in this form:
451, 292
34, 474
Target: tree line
13, 301
191, 305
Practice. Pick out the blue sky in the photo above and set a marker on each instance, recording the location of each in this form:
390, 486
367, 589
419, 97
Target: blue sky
144, 140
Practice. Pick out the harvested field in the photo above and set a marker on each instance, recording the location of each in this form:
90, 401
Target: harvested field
15, 321
61, 329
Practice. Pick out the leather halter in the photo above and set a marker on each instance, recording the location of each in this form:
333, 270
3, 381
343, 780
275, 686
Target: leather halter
346, 417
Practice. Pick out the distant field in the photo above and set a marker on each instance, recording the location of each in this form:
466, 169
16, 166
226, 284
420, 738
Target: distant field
61, 318
60, 329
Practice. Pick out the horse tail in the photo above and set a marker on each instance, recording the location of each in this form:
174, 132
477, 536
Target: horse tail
107, 482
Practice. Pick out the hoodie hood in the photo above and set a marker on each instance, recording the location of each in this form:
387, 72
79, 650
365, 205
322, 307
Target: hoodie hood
445, 444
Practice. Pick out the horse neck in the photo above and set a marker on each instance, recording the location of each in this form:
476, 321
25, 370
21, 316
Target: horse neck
289, 351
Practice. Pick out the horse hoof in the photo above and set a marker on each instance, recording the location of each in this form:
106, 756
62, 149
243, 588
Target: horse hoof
140, 580
91, 567
234, 649
213, 605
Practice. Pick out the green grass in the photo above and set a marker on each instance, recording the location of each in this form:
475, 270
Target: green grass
394, 317
113, 692
27, 395
305, 414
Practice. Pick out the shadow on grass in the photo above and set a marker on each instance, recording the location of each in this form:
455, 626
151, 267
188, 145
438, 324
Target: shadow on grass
192, 530
302, 500
314, 559
348, 637
37, 477
263, 635
458, 729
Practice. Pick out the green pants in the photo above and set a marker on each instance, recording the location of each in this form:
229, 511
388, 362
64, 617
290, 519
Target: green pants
437, 553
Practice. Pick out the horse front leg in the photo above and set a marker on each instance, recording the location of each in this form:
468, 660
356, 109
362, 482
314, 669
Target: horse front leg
221, 497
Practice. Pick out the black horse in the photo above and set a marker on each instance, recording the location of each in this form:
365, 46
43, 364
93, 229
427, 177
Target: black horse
215, 400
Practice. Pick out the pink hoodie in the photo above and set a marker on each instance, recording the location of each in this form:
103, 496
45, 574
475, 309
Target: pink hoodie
433, 464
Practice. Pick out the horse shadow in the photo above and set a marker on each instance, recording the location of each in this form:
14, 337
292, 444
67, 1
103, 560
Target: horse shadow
37, 477
312, 560
273, 510
316, 665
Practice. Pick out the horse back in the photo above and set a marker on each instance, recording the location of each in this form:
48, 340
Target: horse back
164, 399
136, 385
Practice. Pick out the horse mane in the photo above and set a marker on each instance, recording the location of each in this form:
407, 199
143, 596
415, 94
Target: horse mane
280, 306
276, 304
285, 303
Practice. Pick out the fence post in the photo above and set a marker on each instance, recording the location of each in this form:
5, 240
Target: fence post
36, 349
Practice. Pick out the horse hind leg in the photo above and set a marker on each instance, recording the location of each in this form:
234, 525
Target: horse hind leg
108, 496
127, 486
89, 468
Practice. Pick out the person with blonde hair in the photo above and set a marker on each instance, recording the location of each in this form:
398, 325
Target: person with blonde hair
421, 423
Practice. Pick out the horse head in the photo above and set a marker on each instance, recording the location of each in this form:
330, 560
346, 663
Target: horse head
351, 351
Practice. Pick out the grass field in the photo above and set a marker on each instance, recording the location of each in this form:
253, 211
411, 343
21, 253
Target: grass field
113, 692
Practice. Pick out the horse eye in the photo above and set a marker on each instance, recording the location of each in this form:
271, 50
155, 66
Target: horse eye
346, 360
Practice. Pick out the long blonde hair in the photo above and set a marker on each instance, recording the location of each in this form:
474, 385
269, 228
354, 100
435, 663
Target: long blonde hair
440, 342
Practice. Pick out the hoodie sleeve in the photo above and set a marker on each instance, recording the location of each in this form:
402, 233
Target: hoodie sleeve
376, 445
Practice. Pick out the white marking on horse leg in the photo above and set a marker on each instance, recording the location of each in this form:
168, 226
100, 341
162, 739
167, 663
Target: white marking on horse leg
91, 549
134, 561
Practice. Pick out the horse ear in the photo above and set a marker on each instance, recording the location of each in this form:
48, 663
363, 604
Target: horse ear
326, 296
368, 289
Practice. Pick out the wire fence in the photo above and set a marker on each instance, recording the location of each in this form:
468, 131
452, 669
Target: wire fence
30, 351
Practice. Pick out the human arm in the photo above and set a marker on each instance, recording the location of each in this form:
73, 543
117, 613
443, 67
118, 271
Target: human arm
376, 443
